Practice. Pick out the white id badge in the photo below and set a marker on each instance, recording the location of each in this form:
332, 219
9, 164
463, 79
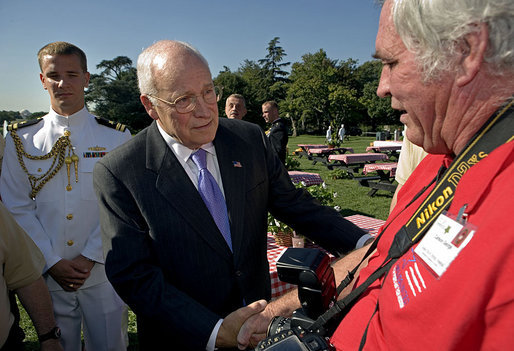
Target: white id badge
443, 242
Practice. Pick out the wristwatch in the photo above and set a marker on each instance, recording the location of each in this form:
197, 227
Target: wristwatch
55, 333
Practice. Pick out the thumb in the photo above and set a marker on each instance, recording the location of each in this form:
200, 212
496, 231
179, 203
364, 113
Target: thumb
253, 308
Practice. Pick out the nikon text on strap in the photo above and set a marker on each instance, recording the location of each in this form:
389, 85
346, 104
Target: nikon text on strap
497, 131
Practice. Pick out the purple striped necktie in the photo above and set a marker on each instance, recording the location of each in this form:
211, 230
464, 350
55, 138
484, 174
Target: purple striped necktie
212, 195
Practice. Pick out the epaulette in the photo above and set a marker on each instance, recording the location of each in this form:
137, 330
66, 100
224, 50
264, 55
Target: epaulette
111, 124
23, 124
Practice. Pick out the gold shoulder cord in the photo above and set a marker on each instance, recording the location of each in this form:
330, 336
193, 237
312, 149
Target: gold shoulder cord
58, 153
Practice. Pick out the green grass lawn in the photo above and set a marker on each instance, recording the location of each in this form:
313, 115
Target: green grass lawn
351, 198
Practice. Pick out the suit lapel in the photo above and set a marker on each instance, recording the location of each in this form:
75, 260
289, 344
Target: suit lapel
176, 187
231, 161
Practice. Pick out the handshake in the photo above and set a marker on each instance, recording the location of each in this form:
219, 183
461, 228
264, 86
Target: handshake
309, 269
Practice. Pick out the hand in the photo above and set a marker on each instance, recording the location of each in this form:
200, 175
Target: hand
83, 263
255, 328
70, 275
227, 334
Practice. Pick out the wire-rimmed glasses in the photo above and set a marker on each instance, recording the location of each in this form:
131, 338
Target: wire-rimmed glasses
187, 103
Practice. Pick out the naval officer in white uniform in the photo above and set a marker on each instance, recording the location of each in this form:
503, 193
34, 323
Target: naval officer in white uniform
47, 185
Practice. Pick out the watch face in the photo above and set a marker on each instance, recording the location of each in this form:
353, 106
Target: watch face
57, 332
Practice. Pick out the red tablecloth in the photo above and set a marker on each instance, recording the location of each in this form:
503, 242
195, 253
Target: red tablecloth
310, 146
305, 177
384, 148
388, 167
358, 158
329, 150
369, 224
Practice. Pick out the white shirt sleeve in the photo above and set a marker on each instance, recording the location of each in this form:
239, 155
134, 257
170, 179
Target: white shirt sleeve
211, 345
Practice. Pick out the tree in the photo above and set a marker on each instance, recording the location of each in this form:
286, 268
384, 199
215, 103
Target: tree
240, 83
273, 75
114, 94
378, 109
320, 92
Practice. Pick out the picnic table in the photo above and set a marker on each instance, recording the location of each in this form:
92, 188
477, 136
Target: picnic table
352, 163
306, 178
384, 180
391, 151
368, 224
303, 149
321, 154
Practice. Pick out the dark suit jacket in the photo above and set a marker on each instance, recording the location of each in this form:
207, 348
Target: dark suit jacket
278, 136
164, 254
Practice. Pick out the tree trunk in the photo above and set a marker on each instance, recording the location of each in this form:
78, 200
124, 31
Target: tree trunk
293, 124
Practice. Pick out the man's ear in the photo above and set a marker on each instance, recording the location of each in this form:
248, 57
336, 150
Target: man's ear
149, 107
43, 80
474, 48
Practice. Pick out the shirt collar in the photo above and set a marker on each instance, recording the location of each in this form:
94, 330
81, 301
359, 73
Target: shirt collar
181, 151
75, 119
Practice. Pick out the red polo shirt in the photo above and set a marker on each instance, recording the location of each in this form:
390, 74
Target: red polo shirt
471, 306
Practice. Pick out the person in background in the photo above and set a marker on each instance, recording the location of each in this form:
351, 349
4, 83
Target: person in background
183, 210
441, 275
47, 185
328, 136
22, 263
277, 134
410, 157
341, 133
235, 106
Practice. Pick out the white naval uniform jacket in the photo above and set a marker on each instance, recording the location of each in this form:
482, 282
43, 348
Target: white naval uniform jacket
63, 224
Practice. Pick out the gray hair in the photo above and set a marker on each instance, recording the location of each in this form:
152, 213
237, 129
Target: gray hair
157, 56
238, 96
433, 30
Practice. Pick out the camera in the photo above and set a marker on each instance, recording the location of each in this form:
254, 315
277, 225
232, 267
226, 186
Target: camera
309, 269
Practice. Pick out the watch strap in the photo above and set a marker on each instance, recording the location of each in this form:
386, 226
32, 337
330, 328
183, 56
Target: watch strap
55, 333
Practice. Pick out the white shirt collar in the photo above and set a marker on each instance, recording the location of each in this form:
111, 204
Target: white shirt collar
75, 119
181, 151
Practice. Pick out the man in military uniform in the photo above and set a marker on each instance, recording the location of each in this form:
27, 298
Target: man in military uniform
47, 184
277, 134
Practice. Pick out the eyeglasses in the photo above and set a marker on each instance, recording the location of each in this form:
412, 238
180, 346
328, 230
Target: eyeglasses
187, 103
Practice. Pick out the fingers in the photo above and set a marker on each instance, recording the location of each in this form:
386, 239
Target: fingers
255, 338
71, 284
253, 308
82, 264
231, 324
254, 329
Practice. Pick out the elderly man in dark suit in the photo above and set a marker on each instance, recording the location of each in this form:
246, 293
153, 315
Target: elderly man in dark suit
187, 260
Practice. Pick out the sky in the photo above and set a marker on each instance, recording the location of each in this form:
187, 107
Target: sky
226, 32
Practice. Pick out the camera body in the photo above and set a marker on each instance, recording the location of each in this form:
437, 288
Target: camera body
294, 339
309, 269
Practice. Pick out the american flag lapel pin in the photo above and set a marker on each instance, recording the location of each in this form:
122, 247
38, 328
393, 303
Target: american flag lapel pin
237, 164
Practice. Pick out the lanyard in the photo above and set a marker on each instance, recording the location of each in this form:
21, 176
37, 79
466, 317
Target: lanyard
497, 131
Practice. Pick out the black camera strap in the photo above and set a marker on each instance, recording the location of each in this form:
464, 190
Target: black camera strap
497, 131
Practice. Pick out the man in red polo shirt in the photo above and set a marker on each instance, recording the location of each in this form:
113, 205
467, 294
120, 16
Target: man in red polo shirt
448, 64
